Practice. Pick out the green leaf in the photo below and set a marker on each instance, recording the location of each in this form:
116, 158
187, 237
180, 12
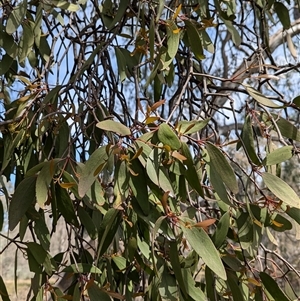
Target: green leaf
108, 229
65, 205
272, 287
174, 259
245, 229
27, 41
113, 126
16, 17
167, 136
121, 61
191, 127
294, 213
6, 62
191, 174
220, 165
88, 172
87, 222
281, 189
123, 5
66, 5
157, 173
37, 25
23, 197
138, 184
222, 229
236, 38
248, 140
167, 287
283, 14
160, 8
173, 38
235, 288
279, 155
96, 294
42, 232
195, 39
279, 223
296, 101
210, 284
191, 287
260, 98
206, 42
287, 129
233, 262
8, 43
3, 291
1, 215
43, 181
79, 268
37, 251
202, 244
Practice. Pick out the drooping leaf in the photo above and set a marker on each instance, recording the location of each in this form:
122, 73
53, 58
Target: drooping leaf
248, 140
43, 181
6, 62
272, 287
16, 17
210, 284
235, 288
206, 42
67, 6
3, 291
96, 294
167, 287
108, 229
42, 232
236, 38
202, 244
192, 289
65, 205
191, 174
123, 5
167, 136
23, 197
245, 229
294, 213
89, 171
220, 165
222, 229
287, 129
283, 14
279, 155
281, 189
138, 185
1, 215
113, 126
260, 98
175, 262
121, 61
195, 39
26, 42
173, 37
87, 222
191, 127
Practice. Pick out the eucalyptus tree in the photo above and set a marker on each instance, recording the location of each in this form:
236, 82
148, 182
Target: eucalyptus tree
155, 132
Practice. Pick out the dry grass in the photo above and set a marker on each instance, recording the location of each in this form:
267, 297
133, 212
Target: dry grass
22, 289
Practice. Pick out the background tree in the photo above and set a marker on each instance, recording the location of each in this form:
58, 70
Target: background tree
157, 133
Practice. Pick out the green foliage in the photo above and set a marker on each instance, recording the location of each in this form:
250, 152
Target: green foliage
116, 135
